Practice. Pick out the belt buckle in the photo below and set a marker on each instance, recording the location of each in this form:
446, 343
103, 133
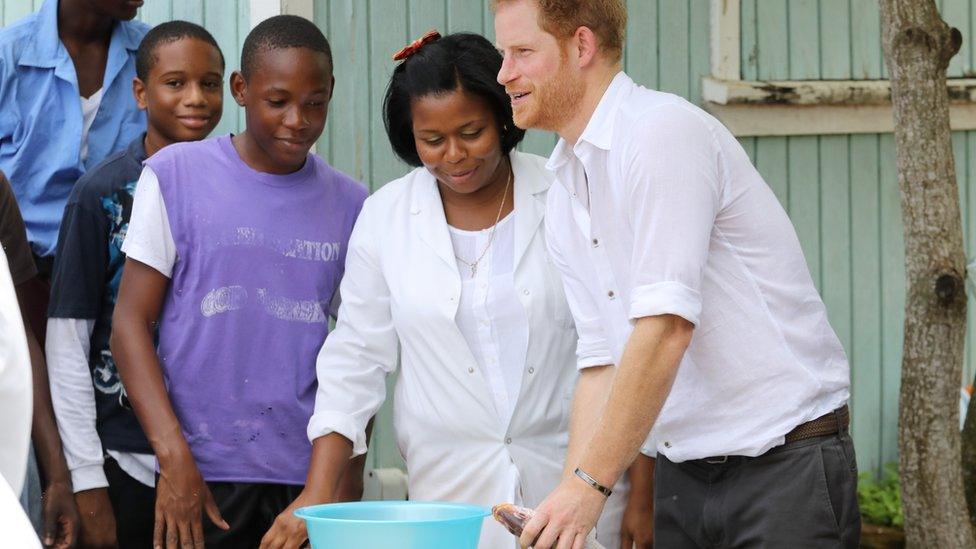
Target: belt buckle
718, 460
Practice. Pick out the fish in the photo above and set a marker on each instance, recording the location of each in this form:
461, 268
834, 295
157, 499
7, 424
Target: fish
514, 518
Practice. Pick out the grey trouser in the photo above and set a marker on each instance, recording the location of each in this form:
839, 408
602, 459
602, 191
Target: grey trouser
802, 494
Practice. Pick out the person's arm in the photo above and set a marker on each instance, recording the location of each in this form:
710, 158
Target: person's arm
672, 167
641, 385
61, 520
351, 367
182, 495
73, 397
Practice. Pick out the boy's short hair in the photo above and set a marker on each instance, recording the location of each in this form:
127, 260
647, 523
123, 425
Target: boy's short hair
460, 61
606, 18
281, 32
165, 33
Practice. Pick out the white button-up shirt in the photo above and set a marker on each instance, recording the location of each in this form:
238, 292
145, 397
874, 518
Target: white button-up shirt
659, 211
490, 316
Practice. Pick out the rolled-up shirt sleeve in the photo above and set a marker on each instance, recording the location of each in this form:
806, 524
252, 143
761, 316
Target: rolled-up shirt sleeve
592, 348
673, 171
356, 357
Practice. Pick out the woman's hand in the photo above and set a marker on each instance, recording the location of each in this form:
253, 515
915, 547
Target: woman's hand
288, 531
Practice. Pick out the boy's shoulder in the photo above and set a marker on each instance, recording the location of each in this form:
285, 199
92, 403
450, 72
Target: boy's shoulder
343, 183
112, 174
177, 152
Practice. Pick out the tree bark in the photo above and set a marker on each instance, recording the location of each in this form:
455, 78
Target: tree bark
918, 45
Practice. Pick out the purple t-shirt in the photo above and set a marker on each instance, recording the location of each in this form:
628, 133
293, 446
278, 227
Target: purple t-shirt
259, 259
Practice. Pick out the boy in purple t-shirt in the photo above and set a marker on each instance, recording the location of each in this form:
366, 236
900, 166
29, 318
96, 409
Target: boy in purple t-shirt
235, 247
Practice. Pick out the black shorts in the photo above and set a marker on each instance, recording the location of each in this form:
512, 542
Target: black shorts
134, 506
249, 508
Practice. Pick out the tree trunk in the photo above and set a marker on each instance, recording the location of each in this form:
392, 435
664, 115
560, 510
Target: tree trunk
917, 48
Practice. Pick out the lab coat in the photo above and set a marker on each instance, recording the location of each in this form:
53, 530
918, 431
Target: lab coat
400, 295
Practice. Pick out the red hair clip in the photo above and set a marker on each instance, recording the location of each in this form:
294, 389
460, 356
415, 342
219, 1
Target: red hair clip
411, 49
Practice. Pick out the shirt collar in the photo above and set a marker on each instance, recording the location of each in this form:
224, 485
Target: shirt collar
45, 49
44, 45
137, 148
599, 129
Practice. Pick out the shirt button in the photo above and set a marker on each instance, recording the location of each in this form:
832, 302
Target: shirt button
470, 370
508, 440
611, 295
531, 370
596, 242
667, 444
525, 292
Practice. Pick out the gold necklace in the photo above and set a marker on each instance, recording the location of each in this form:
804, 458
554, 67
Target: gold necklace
491, 236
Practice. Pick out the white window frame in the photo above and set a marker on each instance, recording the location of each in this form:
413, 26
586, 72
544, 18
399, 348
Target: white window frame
803, 107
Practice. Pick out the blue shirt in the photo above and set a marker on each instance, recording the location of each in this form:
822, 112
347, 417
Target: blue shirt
41, 121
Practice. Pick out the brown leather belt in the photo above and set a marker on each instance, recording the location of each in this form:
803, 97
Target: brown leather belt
828, 424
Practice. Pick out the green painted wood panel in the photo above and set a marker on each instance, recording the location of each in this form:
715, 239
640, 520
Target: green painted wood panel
866, 57
772, 23
804, 198
831, 39
804, 31
866, 305
893, 298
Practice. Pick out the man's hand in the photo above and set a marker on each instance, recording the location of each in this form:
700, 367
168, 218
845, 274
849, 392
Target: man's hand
181, 499
565, 517
61, 520
288, 531
97, 518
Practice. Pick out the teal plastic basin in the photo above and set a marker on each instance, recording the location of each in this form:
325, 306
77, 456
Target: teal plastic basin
393, 525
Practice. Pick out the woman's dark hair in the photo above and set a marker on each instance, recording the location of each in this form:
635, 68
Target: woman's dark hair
456, 61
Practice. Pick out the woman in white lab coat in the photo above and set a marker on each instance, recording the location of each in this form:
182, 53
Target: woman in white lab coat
447, 271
